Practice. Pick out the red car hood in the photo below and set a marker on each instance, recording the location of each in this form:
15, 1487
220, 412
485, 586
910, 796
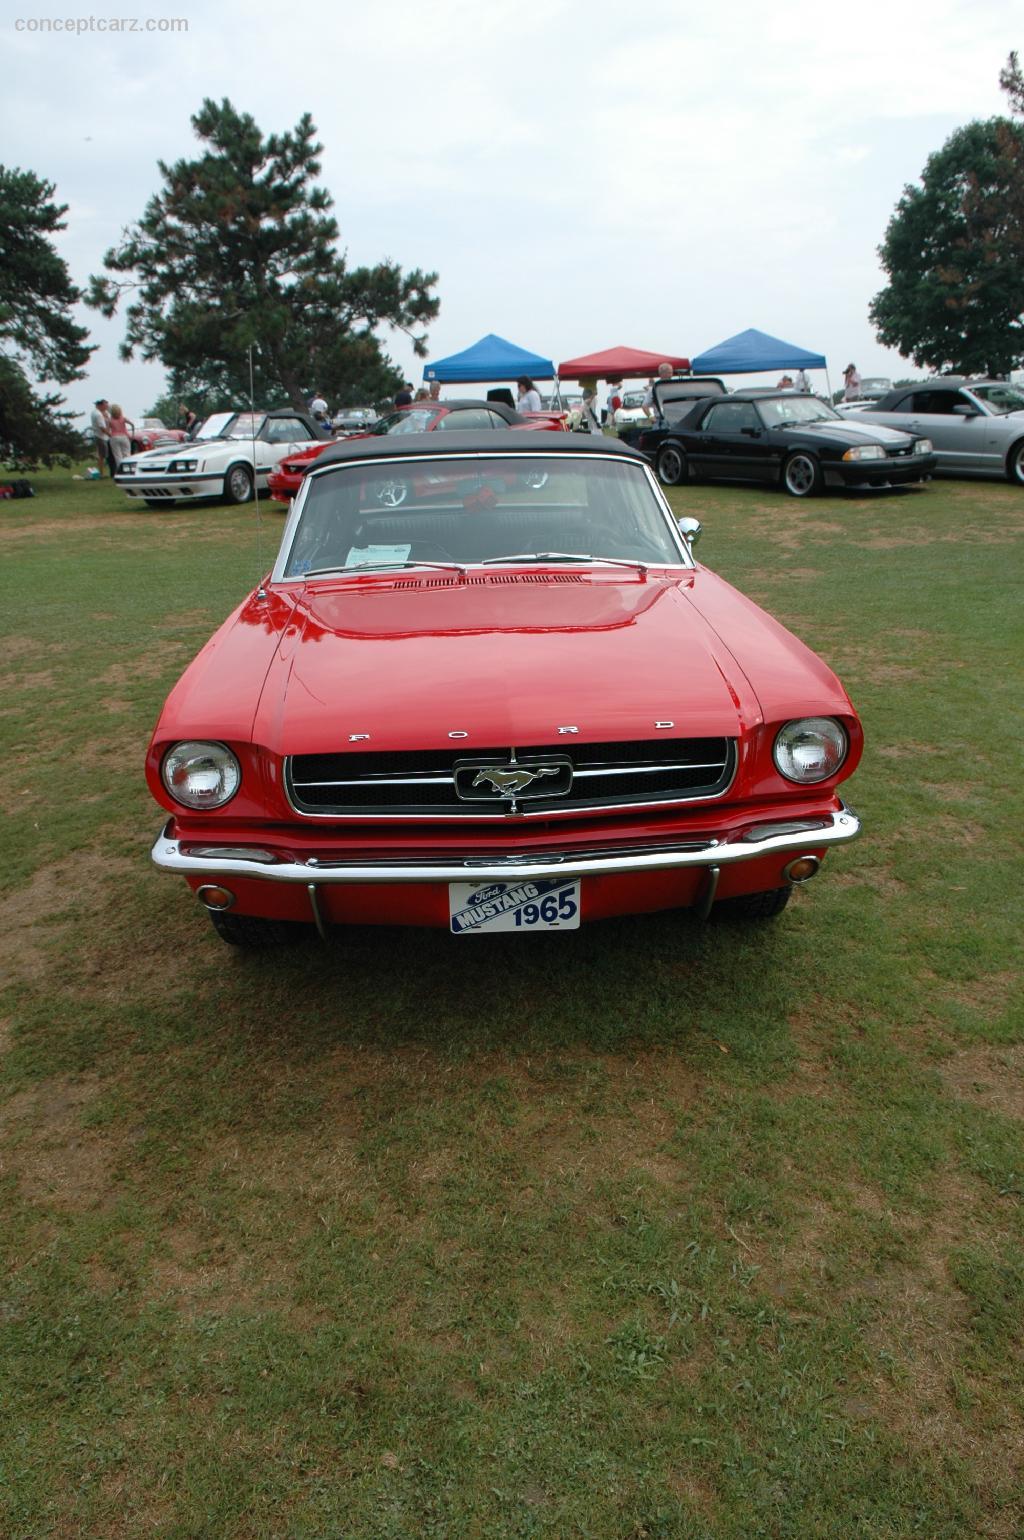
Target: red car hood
509, 659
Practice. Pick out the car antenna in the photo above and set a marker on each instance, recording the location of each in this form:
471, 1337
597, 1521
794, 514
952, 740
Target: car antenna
260, 591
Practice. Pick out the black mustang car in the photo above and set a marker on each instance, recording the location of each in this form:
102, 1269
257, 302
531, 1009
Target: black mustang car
782, 437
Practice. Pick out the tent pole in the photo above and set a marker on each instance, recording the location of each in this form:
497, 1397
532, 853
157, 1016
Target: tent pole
828, 382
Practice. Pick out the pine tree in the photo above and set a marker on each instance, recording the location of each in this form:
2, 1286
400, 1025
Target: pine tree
38, 334
239, 248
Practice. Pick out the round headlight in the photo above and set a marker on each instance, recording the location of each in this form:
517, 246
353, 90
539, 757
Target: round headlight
201, 775
810, 750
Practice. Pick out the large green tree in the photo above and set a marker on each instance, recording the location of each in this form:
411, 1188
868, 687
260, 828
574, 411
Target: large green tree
954, 254
239, 249
38, 334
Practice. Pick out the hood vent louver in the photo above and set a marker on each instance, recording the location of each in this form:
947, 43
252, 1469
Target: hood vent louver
475, 579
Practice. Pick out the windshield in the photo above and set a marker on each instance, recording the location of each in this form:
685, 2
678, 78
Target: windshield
999, 398
231, 425
415, 420
480, 509
795, 410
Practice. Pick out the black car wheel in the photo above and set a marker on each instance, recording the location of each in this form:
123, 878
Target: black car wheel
1015, 463
671, 465
392, 494
801, 475
238, 484
755, 906
252, 934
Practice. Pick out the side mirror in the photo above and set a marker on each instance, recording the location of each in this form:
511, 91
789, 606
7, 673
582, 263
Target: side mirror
963, 410
691, 531
751, 432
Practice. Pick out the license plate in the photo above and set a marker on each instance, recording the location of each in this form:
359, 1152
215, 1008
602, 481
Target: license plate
478, 908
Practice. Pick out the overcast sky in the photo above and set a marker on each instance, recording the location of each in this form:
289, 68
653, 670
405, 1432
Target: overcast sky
661, 175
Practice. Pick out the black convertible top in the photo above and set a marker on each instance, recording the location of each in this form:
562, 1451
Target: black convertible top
483, 441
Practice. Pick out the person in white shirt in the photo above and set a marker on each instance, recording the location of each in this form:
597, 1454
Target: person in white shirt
98, 429
802, 382
664, 373
435, 390
529, 396
851, 380
318, 406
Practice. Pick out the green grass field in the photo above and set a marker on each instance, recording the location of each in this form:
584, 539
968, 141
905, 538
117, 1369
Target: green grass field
652, 1229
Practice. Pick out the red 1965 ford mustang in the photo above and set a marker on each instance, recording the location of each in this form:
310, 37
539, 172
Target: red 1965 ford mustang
503, 697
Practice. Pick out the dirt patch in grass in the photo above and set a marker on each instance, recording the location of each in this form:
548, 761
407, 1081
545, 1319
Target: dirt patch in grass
40, 679
56, 1161
30, 916
791, 528
932, 536
906, 750
158, 664
990, 1077
920, 1329
60, 529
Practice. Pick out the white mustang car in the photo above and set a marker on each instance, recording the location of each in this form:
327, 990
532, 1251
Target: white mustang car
232, 453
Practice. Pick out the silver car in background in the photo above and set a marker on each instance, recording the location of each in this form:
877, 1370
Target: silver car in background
976, 426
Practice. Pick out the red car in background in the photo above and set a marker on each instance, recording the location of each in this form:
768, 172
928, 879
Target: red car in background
421, 417
150, 433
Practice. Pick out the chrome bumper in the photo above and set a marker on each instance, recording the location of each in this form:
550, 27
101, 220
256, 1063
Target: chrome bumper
191, 858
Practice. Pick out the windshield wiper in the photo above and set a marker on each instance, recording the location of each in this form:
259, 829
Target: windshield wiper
384, 566
606, 561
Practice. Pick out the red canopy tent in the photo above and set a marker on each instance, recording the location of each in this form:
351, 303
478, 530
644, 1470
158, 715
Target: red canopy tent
618, 364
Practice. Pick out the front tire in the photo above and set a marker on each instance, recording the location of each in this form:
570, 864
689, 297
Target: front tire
252, 934
801, 474
671, 465
755, 906
238, 484
1015, 464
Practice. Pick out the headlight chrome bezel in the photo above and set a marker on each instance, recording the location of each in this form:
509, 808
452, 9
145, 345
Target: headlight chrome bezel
182, 467
865, 452
833, 744
197, 757
924, 446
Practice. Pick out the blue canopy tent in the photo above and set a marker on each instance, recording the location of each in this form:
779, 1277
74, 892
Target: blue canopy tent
492, 358
754, 352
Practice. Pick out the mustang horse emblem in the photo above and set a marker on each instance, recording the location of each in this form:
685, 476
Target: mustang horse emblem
508, 783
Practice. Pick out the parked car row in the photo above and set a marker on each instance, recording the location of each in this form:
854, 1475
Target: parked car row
466, 416
976, 426
231, 454
780, 437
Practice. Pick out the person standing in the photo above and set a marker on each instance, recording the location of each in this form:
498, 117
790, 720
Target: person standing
435, 390
318, 407
590, 422
403, 397
98, 429
119, 438
649, 406
802, 382
851, 380
528, 397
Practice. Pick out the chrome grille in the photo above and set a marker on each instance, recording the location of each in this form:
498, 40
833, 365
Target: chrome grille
604, 775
